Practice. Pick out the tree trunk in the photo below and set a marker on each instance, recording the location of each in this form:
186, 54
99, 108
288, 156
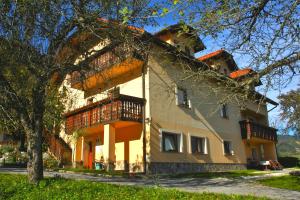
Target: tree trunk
35, 137
35, 156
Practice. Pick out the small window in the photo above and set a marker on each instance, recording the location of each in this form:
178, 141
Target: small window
223, 110
181, 97
198, 145
90, 101
227, 148
115, 92
225, 71
171, 142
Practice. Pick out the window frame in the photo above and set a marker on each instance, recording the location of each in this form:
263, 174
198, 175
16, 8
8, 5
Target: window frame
230, 153
186, 102
224, 111
205, 146
179, 140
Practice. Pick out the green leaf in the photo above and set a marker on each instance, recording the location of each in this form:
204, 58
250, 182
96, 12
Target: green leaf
175, 2
164, 11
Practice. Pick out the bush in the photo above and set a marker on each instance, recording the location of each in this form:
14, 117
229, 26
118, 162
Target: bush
295, 173
289, 161
6, 149
50, 162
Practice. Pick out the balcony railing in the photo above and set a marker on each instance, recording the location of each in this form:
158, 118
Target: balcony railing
110, 58
250, 129
120, 108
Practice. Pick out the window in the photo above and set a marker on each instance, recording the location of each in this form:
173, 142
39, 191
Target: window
225, 71
224, 111
90, 100
198, 145
181, 97
171, 142
115, 92
227, 148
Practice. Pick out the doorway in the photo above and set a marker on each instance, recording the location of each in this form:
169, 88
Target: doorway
90, 156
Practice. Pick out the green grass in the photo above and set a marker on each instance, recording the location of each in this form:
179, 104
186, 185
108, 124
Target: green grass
17, 187
94, 172
284, 182
229, 174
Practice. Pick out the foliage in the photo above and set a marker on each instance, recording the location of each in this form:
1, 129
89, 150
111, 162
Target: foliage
17, 187
6, 149
290, 110
284, 182
34, 38
264, 33
289, 161
50, 163
288, 146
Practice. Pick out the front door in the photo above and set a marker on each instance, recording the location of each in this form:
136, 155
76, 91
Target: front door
90, 156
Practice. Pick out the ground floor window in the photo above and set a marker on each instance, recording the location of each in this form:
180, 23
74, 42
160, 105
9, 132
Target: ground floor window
227, 147
171, 142
198, 145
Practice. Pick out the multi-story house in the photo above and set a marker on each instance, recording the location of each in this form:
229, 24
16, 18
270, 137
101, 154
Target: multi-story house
153, 113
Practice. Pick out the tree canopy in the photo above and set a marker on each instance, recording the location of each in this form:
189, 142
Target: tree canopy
41, 39
290, 110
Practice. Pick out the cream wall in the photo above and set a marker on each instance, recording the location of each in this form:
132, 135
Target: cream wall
75, 99
203, 119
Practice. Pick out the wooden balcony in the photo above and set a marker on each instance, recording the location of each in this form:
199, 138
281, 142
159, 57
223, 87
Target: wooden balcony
119, 61
253, 130
120, 108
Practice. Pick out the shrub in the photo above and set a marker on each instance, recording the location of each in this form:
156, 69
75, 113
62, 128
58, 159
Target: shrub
50, 163
295, 173
5, 149
289, 161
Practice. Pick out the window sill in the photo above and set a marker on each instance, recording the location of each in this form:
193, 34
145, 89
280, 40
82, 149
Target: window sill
199, 154
225, 118
175, 152
184, 106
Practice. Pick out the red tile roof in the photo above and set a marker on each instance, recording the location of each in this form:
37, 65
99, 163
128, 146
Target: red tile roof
210, 55
241, 72
141, 30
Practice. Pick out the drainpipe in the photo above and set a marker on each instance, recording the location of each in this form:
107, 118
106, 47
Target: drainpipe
144, 116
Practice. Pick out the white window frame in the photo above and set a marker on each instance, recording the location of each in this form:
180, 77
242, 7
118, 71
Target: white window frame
190, 135
231, 153
179, 140
222, 114
188, 101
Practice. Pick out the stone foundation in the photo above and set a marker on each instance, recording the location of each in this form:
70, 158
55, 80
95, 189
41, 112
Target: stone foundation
177, 168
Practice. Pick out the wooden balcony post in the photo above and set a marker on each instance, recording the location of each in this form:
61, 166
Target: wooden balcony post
248, 127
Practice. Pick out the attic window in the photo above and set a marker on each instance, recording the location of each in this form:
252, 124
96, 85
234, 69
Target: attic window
225, 71
223, 111
182, 98
90, 101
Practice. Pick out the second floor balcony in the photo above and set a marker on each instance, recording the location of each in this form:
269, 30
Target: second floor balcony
120, 108
251, 130
118, 63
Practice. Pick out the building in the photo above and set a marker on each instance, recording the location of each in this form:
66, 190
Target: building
137, 114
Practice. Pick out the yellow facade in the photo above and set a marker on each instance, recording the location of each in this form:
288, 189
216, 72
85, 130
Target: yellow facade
121, 142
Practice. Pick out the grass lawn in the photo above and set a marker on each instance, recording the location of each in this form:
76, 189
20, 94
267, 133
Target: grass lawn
284, 182
93, 171
229, 174
17, 187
